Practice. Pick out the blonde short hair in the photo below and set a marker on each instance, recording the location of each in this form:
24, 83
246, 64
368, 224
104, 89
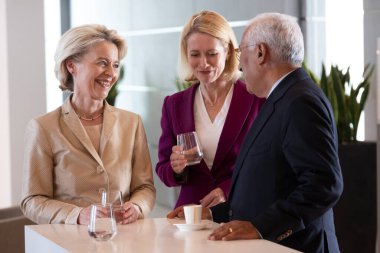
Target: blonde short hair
76, 42
214, 24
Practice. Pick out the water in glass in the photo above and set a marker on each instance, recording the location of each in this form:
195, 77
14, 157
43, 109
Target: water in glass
102, 225
191, 147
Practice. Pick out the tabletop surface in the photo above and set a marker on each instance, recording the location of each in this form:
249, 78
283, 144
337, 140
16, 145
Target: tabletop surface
147, 235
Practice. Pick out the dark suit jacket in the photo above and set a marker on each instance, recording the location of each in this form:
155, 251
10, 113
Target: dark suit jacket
178, 117
287, 176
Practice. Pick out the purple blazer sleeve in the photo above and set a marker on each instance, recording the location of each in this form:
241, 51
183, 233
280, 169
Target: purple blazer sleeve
167, 141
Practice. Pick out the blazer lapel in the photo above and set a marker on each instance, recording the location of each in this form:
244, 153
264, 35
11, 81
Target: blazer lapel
183, 108
109, 119
73, 123
241, 105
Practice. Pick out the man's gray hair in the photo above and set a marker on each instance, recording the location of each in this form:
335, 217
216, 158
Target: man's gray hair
281, 33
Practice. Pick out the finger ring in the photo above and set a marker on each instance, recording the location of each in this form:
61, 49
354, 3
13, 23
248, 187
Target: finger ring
230, 229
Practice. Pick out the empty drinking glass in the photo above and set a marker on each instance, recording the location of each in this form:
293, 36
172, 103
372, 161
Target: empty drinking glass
114, 198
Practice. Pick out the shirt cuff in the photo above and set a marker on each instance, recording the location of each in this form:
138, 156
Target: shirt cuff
139, 210
209, 209
258, 232
73, 216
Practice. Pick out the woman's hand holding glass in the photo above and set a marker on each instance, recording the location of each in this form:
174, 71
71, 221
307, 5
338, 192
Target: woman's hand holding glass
124, 213
84, 216
187, 152
177, 159
131, 213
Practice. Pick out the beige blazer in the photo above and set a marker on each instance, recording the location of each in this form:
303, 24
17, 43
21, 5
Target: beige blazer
63, 172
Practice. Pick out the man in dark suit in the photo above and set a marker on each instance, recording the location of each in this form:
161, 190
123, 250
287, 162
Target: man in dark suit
287, 176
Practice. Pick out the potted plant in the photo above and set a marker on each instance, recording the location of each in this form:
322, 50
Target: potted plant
347, 100
182, 85
355, 213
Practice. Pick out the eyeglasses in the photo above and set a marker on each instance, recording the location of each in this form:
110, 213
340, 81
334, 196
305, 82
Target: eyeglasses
239, 49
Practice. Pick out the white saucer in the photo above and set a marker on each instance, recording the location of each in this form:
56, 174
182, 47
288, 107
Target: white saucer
192, 227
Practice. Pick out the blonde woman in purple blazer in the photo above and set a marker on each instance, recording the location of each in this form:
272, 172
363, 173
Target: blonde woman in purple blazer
217, 106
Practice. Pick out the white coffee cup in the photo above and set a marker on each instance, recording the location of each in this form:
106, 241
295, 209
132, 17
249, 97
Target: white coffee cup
193, 214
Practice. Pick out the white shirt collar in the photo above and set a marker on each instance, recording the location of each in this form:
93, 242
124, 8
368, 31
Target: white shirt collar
277, 82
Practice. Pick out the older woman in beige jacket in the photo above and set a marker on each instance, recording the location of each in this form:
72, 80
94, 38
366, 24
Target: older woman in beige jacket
86, 145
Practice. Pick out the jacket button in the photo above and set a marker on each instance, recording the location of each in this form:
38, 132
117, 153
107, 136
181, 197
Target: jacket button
230, 213
99, 169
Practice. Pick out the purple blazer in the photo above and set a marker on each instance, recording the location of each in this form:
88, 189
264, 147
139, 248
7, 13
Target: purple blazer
178, 117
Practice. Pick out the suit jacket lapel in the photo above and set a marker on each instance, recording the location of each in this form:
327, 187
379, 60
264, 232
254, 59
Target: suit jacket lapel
265, 113
73, 123
241, 104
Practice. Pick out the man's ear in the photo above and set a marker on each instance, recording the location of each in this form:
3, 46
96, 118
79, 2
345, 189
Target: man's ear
262, 53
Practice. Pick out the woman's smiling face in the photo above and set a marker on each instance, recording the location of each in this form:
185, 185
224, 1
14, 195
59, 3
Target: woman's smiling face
206, 56
96, 71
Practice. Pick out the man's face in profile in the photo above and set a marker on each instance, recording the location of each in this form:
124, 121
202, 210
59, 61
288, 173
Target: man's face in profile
248, 63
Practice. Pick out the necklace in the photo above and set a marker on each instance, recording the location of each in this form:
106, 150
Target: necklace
207, 103
90, 119
84, 117
218, 98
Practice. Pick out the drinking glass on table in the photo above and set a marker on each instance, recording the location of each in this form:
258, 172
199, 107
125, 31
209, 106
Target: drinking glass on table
102, 225
115, 199
191, 147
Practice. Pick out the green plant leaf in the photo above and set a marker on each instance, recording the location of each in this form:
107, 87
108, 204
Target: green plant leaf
182, 85
311, 74
114, 92
347, 100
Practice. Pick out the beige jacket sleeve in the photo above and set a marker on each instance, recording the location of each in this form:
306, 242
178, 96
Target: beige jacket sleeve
38, 184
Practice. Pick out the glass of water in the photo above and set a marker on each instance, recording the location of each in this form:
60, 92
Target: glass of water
191, 147
102, 225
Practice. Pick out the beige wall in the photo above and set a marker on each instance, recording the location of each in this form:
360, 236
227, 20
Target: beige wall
371, 33
5, 183
22, 92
